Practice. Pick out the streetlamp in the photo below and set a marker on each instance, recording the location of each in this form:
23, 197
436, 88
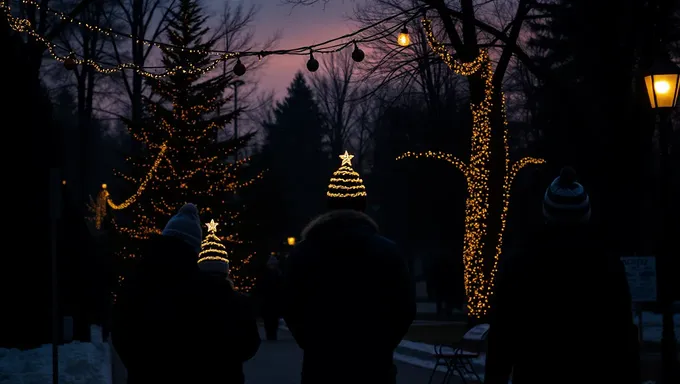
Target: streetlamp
662, 82
291, 241
236, 84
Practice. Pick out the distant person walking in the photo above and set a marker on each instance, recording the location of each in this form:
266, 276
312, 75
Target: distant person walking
562, 311
442, 279
349, 298
171, 323
268, 291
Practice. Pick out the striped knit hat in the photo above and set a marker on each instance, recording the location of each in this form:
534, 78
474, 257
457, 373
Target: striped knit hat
565, 200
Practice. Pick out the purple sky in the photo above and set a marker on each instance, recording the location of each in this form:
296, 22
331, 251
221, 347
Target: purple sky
298, 26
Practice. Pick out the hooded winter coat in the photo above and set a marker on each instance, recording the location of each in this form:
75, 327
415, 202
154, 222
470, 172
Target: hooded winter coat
173, 323
348, 300
562, 314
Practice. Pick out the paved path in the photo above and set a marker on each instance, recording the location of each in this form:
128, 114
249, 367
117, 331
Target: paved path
280, 362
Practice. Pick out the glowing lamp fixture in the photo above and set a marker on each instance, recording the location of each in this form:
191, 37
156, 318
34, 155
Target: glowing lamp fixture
404, 39
291, 241
663, 82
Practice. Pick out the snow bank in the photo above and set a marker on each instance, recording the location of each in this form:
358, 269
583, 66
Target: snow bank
79, 363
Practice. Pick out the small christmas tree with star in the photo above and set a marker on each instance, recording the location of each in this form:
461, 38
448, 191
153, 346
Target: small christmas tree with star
214, 258
346, 182
212, 249
346, 190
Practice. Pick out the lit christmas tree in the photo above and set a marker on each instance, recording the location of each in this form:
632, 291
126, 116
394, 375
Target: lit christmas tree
346, 182
181, 159
212, 249
215, 257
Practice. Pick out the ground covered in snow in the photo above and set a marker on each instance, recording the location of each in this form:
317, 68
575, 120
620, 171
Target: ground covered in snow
79, 363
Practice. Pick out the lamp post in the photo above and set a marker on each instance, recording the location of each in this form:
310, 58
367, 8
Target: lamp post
662, 83
236, 84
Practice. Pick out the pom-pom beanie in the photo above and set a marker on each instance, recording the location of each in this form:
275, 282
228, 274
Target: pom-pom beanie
565, 200
186, 225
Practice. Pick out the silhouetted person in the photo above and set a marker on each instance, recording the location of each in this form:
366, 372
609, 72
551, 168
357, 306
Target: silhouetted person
244, 337
171, 323
349, 298
442, 282
562, 311
268, 290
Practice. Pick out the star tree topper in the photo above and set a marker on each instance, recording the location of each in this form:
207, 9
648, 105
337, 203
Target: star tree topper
346, 159
212, 226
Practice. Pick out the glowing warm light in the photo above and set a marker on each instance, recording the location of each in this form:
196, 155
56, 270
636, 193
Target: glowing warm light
212, 248
291, 241
180, 163
479, 285
24, 25
404, 39
346, 159
346, 182
212, 226
662, 87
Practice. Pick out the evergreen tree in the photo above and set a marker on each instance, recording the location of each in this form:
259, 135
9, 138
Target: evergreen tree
299, 169
180, 158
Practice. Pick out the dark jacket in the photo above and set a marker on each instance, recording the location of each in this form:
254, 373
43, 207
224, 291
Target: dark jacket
348, 300
562, 313
268, 290
173, 323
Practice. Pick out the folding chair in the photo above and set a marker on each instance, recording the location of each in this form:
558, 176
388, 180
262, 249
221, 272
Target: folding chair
458, 358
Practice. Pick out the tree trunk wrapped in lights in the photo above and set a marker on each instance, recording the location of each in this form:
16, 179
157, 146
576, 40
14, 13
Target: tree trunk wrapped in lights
489, 175
182, 160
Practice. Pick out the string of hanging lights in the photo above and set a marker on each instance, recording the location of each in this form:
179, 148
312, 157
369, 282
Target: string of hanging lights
71, 59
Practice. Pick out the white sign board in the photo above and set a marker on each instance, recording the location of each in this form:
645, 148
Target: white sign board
641, 275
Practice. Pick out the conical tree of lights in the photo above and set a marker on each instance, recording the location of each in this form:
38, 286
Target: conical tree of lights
345, 182
212, 248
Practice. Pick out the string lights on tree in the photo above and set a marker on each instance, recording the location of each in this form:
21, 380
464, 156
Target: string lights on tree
479, 278
181, 159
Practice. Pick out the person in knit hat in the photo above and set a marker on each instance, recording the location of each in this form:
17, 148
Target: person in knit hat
342, 273
566, 201
558, 292
186, 226
170, 314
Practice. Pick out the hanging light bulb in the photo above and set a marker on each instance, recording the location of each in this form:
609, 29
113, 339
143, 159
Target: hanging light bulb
404, 39
357, 54
70, 62
312, 64
239, 68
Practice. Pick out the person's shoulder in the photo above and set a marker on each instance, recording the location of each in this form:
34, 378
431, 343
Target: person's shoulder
384, 243
386, 247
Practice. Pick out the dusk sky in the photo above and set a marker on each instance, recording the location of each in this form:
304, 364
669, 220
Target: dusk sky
298, 26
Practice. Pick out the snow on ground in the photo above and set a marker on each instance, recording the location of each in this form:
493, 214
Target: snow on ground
79, 363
